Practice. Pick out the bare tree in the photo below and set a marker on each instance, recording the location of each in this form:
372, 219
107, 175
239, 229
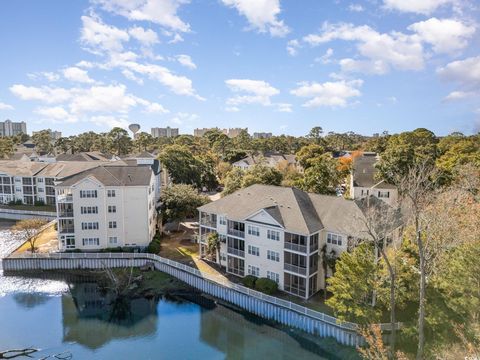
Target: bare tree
29, 230
416, 189
381, 223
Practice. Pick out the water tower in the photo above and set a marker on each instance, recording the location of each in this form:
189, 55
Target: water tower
134, 129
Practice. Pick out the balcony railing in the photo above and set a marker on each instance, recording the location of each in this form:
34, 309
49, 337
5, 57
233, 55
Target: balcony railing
65, 214
235, 251
295, 269
237, 233
65, 198
209, 223
67, 230
296, 247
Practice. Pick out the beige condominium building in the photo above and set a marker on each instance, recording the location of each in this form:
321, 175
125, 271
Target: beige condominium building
279, 232
106, 206
11, 128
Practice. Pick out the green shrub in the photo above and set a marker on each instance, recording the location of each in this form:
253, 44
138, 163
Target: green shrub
154, 246
39, 203
249, 281
266, 286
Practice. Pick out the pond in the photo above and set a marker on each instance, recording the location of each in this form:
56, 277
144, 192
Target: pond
67, 315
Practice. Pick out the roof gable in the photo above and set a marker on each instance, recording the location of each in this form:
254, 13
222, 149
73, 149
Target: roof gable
269, 216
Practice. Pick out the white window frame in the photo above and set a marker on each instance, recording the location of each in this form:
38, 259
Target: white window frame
253, 270
222, 220
273, 235
253, 230
273, 276
273, 255
112, 224
111, 193
112, 209
253, 250
334, 239
113, 240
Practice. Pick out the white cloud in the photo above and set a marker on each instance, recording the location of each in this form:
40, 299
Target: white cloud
355, 8
182, 117
445, 35
161, 12
99, 37
464, 72
145, 37
424, 7
284, 107
253, 92
395, 49
56, 113
459, 95
180, 85
109, 121
176, 39
186, 61
261, 14
45, 94
4, 106
293, 46
131, 76
78, 75
333, 94
75, 102
325, 58
377, 67
232, 109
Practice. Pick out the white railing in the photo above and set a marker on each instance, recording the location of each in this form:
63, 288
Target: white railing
226, 283
27, 212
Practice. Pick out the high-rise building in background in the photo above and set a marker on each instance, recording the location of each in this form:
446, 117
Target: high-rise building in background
262, 135
233, 132
10, 128
54, 135
164, 132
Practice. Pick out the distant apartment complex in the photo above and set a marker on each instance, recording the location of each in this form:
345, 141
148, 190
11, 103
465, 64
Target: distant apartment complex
274, 160
363, 182
54, 135
233, 132
262, 135
10, 128
106, 206
278, 233
164, 132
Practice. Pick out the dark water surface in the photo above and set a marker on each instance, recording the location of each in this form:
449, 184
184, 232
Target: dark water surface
74, 316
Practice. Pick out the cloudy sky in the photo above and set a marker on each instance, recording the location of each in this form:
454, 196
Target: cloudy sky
269, 65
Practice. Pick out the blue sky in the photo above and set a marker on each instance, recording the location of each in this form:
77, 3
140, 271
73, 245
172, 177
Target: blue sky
269, 65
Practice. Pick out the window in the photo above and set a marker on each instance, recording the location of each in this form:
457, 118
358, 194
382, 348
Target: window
295, 284
253, 270
90, 241
273, 276
18, 189
222, 220
89, 209
89, 225
113, 240
253, 250
88, 193
383, 194
40, 180
364, 192
334, 239
273, 235
273, 255
40, 190
112, 209
235, 266
112, 224
253, 230
110, 193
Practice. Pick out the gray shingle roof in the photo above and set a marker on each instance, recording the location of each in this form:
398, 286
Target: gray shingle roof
111, 175
296, 210
21, 168
364, 172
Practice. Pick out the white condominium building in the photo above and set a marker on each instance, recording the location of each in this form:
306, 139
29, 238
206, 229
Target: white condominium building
106, 206
158, 132
279, 233
10, 128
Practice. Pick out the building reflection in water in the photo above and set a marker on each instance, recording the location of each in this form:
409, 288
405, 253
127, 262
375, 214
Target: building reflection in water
93, 318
